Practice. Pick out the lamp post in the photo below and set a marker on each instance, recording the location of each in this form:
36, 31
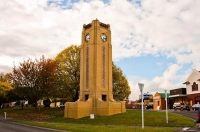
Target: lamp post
141, 86
166, 106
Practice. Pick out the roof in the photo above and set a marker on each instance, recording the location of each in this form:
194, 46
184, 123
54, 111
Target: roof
194, 71
187, 82
163, 95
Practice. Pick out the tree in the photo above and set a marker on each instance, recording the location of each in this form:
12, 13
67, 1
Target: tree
68, 62
4, 77
34, 80
1, 76
5, 87
11, 96
121, 89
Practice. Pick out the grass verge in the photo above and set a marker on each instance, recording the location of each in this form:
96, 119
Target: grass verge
129, 121
97, 128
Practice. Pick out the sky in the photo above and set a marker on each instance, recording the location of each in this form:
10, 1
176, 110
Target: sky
155, 42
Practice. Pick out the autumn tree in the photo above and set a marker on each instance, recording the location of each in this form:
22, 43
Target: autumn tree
4, 77
121, 89
5, 87
68, 62
10, 95
35, 80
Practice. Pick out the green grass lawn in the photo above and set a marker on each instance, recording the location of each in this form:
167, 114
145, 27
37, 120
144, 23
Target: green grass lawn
129, 121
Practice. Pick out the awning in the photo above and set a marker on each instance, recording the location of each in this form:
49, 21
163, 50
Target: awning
177, 95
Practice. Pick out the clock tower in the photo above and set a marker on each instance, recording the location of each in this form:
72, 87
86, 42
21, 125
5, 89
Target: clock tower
96, 62
95, 96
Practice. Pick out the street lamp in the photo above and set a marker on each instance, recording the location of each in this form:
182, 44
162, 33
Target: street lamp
141, 86
166, 106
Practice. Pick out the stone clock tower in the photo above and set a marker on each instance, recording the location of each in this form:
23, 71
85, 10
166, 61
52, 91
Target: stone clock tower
95, 96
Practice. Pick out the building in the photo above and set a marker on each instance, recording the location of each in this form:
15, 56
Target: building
178, 95
159, 102
148, 99
95, 96
192, 87
133, 104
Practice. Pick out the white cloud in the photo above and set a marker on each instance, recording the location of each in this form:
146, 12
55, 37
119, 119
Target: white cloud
168, 27
158, 83
161, 26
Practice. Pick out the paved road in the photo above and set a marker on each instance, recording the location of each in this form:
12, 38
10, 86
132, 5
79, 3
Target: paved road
6, 126
190, 114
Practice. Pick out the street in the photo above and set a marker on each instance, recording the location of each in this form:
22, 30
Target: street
190, 114
6, 126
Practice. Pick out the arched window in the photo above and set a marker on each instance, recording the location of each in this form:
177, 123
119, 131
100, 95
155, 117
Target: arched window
194, 86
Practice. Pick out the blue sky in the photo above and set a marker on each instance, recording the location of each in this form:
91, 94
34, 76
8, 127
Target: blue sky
154, 42
145, 66
149, 66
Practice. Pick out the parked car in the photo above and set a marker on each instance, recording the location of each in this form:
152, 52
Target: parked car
181, 106
149, 107
62, 105
196, 107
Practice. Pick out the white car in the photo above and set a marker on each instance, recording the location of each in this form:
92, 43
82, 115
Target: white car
196, 107
180, 106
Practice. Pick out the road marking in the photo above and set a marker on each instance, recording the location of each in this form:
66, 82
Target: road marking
185, 129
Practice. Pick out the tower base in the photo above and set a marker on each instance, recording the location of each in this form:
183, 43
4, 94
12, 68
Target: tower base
81, 109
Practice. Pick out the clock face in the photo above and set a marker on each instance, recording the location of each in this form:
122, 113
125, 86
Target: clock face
87, 37
103, 37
